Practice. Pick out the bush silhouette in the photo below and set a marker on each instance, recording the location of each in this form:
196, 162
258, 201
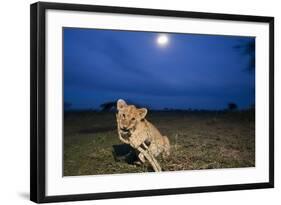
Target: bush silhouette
108, 106
232, 106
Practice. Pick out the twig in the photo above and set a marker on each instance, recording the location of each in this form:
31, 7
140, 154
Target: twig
155, 165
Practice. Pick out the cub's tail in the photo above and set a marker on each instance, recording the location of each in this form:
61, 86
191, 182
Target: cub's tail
166, 146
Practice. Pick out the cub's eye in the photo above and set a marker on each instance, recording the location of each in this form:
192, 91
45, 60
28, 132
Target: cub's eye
133, 118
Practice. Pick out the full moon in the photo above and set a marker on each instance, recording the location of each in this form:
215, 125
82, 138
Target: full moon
162, 40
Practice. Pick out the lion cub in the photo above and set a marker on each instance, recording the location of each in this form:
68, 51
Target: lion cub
135, 130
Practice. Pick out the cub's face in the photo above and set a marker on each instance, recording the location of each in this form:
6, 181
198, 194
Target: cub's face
129, 116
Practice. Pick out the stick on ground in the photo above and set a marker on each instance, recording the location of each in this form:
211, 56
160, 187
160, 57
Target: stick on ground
155, 165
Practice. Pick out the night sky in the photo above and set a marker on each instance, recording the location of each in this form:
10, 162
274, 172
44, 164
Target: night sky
188, 71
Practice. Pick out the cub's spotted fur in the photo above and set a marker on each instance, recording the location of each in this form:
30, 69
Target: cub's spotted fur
135, 130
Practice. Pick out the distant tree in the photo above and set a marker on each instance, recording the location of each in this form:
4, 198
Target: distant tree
67, 105
108, 106
248, 48
253, 106
232, 106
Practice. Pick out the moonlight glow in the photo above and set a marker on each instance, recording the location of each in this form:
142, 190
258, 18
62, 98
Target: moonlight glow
162, 40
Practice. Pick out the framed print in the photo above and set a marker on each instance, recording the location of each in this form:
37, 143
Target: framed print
129, 102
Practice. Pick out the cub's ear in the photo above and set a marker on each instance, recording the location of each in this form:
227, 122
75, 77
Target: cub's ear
121, 104
142, 112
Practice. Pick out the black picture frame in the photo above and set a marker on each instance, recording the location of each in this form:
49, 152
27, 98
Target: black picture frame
38, 97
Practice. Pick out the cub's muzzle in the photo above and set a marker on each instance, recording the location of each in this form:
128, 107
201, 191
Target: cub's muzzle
125, 129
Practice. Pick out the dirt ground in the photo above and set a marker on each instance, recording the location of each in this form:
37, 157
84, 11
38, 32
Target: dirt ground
199, 140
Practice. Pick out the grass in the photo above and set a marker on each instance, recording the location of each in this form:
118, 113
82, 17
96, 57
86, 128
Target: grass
205, 140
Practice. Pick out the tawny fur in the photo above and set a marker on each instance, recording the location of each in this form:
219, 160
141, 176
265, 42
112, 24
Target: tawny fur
135, 130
